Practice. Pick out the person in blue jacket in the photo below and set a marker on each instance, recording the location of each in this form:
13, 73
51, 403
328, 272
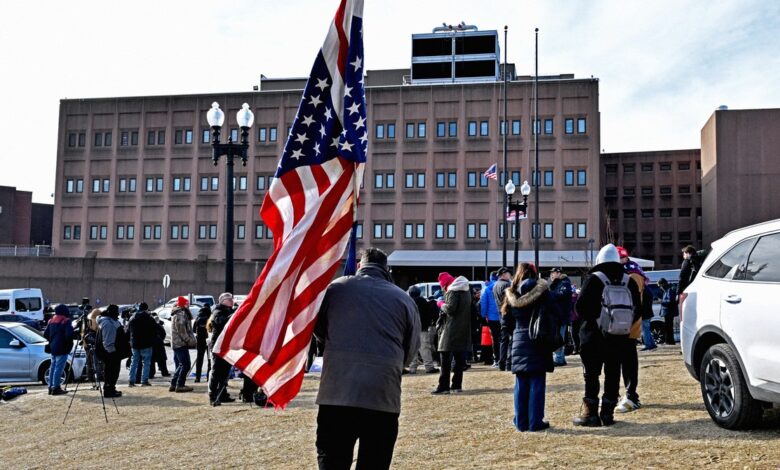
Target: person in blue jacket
489, 311
60, 334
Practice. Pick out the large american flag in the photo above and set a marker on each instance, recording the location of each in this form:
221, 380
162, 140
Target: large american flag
310, 208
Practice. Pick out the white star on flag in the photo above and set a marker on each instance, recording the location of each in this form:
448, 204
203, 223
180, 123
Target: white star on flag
364, 138
335, 142
348, 91
297, 154
317, 149
301, 138
322, 84
315, 100
328, 116
308, 120
360, 123
354, 108
356, 63
322, 130
346, 146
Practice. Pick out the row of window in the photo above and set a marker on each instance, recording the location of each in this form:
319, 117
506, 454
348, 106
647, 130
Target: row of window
449, 179
157, 137
663, 236
649, 167
650, 213
157, 184
682, 189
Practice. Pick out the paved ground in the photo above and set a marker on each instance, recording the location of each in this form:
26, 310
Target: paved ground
155, 428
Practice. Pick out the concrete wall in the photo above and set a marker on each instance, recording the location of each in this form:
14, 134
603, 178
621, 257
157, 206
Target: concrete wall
121, 281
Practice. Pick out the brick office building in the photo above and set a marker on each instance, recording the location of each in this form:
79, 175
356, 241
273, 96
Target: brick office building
135, 177
652, 203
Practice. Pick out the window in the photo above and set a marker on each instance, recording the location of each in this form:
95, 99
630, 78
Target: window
120, 232
71, 140
420, 180
502, 128
666, 236
106, 185
611, 192
160, 137
124, 138
582, 177
629, 168
204, 182
472, 128
439, 230
122, 185
483, 230
390, 180
647, 190
610, 169
177, 137
391, 131
410, 130
359, 230
548, 126
213, 231
548, 230
684, 211
629, 191
629, 213
157, 232
568, 230
147, 232
260, 183
242, 185
98, 139
185, 232
582, 229
548, 177
262, 134
471, 230
483, 180
453, 128
665, 190
205, 136
581, 126
377, 230
727, 265
537, 127
159, 185
516, 127
684, 189
188, 136
684, 166
568, 126
648, 236
440, 180
388, 230
451, 231
186, 184
69, 186
131, 185
665, 166
764, 262
240, 231
149, 137
684, 236
409, 180
215, 183
452, 179
441, 129
666, 212
421, 130
79, 186
378, 180
484, 129
82, 139
96, 186
516, 178
380, 131
629, 236
271, 134
234, 134
134, 138
647, 167
420, 229
174, 232
66, 233
130, 232
471, 179
201, 231
647, 213
408, 230
177, 184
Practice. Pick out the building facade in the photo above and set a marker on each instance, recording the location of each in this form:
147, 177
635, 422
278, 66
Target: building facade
135, 177
740, 169
652, 203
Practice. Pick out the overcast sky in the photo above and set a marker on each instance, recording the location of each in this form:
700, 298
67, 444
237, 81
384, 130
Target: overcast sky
663, 66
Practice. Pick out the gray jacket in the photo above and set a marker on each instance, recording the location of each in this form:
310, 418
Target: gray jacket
108, 327
455, 335
370, 329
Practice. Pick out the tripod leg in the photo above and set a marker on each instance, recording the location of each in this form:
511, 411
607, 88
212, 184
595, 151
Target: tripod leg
71, 402
72, 360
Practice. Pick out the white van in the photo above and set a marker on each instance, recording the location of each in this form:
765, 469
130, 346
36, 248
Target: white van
24, 302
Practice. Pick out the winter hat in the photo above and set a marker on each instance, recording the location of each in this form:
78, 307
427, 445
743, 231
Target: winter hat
608, 254
622, 252
143, 306
61, 310
181, 302
112, 311
413, 291
445, 279
225, 296
503, 271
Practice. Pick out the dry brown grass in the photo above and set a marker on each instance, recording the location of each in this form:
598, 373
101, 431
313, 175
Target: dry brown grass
472, 430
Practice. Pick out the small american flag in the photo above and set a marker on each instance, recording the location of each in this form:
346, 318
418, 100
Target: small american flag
491, 172
310, 207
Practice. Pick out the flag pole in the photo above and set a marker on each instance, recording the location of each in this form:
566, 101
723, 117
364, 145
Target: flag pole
536, 150
505, 172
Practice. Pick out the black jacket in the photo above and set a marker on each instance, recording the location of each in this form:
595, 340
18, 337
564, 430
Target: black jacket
589, 302
527, 356
561, 292
142, 329
199, 325
428, 312
219, 318
688, 271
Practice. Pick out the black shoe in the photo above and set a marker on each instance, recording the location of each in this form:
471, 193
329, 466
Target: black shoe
542, 427
166, 374
131, 384
197, 379
58, 391
172, 388
466, 367
648, 349
111, 394
432, 371
215, 403
146, 384
456, 390
227, 399
49, 391
405, 371
440, 392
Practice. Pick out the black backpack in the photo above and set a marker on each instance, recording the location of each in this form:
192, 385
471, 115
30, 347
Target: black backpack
544, 329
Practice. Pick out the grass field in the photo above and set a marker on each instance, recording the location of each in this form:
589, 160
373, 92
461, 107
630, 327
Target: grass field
155, 428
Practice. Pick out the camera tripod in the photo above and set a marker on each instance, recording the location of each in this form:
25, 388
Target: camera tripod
97, 383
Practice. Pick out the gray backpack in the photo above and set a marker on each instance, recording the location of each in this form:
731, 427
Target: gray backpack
617, 307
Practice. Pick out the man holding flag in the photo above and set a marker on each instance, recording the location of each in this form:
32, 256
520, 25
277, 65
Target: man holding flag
370, 328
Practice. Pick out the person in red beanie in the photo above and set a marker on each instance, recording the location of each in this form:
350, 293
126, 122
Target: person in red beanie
182, 302
455, 332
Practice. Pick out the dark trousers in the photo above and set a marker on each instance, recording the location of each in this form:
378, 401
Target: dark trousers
202, 351
111, 367
595, 355
495, 333
575, 334
629, 366
669, 329
339, 427
457, 372
181, 358
219, 377
507, 329
529, 401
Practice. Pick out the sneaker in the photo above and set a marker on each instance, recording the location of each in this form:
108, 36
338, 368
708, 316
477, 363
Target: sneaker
412, 371
58, 391
227, 399
184, 389
440, 392
627, 405
495, 365
146, 384
559, 364
432, 371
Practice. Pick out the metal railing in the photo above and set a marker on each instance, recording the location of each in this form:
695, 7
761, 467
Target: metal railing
19, 250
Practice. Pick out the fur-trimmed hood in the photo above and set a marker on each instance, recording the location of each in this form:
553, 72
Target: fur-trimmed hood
514, 299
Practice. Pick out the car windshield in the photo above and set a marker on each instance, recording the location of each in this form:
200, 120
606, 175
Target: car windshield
28, 334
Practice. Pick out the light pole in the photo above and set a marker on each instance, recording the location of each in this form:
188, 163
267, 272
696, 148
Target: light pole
245, 119
487, 245
517, 207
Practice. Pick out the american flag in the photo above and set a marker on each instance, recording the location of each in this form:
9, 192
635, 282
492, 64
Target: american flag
310, 207
491, 172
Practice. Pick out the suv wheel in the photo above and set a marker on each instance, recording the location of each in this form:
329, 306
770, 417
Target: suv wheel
724, 390
658, 330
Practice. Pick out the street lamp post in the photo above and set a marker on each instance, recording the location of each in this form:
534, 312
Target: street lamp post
517, 207
487, 246
245, 119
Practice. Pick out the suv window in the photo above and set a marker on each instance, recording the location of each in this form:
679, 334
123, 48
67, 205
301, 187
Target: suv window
727, 265
28, 304
4, 304
764, 262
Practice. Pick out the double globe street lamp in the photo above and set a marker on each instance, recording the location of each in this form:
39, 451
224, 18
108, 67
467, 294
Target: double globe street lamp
517, 207
245, 118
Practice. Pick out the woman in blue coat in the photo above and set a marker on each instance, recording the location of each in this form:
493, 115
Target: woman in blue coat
530, 362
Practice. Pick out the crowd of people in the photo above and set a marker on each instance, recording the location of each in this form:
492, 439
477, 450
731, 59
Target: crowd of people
370, 333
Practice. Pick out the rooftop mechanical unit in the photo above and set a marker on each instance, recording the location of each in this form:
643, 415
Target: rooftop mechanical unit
452, 54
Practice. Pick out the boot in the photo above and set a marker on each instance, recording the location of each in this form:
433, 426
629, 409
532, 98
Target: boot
607, 413
589, 414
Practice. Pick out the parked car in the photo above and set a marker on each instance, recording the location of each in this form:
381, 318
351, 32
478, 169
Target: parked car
431, 290
164, 314
201, 299
25, 302
23, 359
729, 326
20, 319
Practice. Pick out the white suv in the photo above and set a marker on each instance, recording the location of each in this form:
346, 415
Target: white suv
730, 324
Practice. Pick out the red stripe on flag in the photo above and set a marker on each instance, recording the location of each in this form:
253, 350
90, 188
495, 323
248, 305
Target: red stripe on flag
287, 392
343, 40
321, 177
